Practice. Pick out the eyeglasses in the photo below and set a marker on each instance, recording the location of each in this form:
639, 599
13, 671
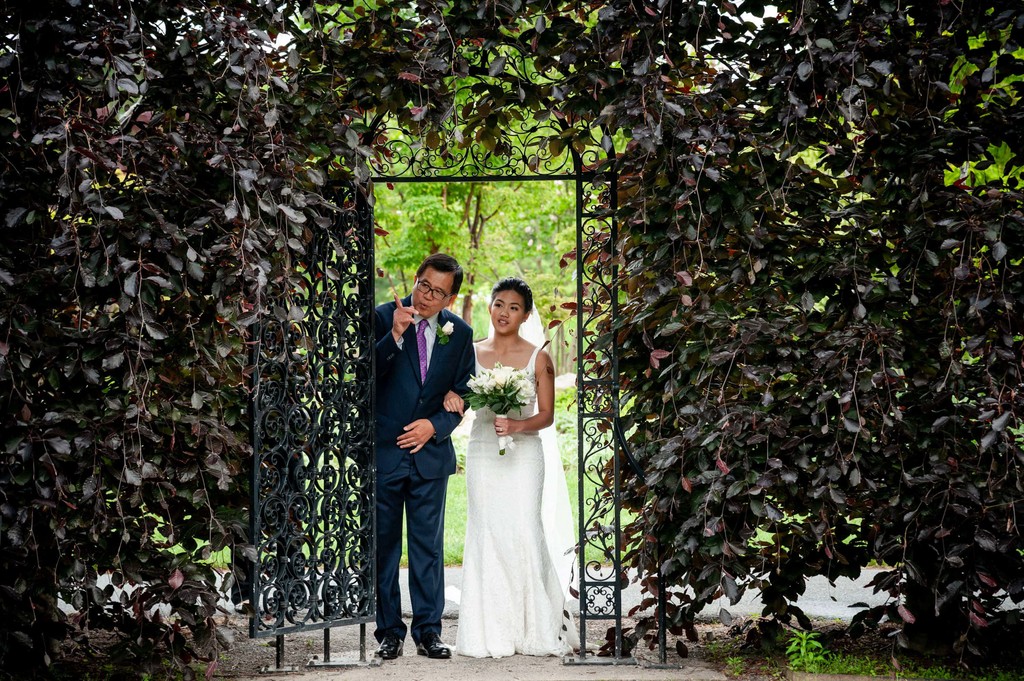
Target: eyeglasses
430, 292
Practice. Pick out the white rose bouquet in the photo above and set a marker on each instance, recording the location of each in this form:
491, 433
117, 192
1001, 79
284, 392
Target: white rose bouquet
502, 390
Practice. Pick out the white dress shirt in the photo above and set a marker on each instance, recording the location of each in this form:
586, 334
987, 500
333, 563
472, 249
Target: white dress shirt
430, 334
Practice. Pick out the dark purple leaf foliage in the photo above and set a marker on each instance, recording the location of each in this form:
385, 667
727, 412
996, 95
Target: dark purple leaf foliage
821, 337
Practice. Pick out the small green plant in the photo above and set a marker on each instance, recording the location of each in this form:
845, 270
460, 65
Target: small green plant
718, 650
734, 665
805, 652
859, 665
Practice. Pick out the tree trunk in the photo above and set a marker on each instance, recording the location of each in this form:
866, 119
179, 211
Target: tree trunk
475, 221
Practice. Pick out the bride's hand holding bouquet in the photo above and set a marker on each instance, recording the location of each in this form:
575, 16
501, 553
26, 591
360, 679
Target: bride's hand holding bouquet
502, 390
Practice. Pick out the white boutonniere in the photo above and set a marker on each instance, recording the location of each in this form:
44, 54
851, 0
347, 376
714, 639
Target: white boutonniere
444, 333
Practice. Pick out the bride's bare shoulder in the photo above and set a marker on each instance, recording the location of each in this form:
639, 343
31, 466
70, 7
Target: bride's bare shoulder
544, 363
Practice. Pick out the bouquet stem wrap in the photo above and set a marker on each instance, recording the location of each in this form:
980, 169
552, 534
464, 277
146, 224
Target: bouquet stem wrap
504, 441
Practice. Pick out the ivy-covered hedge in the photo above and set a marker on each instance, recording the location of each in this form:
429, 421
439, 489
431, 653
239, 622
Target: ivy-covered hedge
151, 194
821, 275
822, 343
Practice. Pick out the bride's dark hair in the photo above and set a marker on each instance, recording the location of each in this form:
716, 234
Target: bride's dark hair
519, 286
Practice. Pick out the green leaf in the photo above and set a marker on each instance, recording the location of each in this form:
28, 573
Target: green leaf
156, 330
131, 284
59, 445
292, 214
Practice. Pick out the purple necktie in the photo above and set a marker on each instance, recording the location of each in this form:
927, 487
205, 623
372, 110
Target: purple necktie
421, 345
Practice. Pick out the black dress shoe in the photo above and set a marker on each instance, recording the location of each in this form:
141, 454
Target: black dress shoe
433, 647
390, 647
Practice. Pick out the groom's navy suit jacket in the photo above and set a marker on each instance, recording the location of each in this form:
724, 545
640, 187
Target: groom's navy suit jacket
403, 398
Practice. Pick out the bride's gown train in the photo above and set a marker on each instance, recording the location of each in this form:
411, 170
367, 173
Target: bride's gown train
513, 595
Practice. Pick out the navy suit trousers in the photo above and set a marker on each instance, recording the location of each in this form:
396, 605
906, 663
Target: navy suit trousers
404, 492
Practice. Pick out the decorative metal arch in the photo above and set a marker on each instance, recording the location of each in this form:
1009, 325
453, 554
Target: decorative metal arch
313, 520
471, 141
543, 145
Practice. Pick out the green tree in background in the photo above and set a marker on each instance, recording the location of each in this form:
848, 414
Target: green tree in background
495, 230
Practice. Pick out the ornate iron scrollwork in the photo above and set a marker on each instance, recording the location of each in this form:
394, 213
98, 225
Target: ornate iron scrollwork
473, 140
601, 580
312, 519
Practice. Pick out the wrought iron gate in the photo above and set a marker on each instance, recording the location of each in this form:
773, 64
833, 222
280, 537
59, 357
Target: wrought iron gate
312, 506
313, 497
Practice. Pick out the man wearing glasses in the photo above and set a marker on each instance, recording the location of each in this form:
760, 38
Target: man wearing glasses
423, 351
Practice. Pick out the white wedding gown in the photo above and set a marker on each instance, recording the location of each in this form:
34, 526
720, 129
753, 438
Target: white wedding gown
513, 584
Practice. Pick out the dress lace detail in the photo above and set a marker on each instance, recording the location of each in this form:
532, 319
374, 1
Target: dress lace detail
513, 599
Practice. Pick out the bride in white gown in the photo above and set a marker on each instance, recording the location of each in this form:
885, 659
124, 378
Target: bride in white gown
518, 529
